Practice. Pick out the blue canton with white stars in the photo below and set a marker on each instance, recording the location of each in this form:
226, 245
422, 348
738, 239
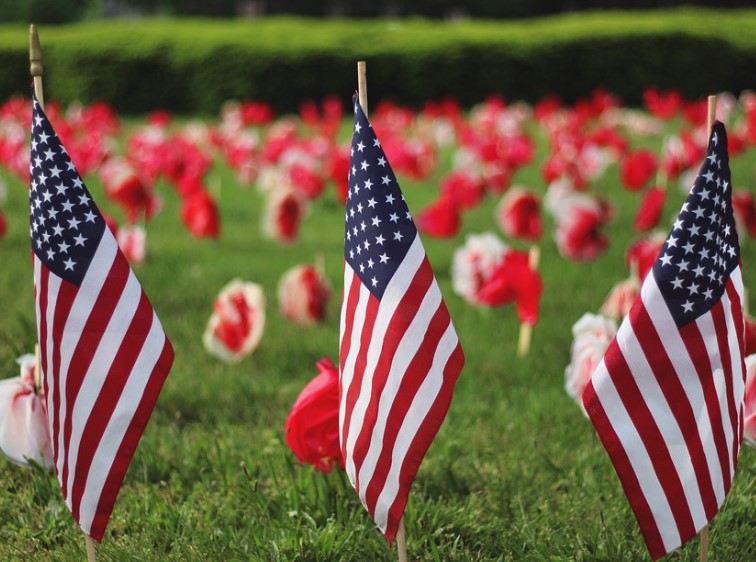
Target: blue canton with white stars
702, 248
379, 228
66, 226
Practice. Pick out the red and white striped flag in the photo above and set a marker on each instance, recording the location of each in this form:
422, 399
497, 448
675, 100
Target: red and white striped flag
104, 354
399, 354
667, 399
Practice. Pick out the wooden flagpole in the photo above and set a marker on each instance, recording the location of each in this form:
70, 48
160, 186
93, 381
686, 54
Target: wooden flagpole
36, 70
526, 329
35, 64
401, 539
704, 534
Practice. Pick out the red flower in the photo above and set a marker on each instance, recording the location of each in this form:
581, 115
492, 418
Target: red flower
312, 428
664, 105
461, 188
750, 337
580, 237
124, 185
650, 209
199, 214
237, 322
283, 213
749, 429
132, 240
303, 294
519, 215
440, 219
637, 168
643, 253
3, 224
744, 208
514, 280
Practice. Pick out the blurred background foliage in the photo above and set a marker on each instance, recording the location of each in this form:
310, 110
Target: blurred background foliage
65, 11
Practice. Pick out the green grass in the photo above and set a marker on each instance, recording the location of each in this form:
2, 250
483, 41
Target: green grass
516, 472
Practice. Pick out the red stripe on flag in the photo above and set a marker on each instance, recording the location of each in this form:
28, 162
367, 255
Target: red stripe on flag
419, 367
720, 328
86, 348
424, 437
678, 402
635, 404
624, 468
696, 348
106, 401
130, 441
397, 327
358, 372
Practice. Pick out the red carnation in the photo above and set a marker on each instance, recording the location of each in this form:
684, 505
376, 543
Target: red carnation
519, 215
303, 294
744, 209
650, 209
637, 168
312, 428
514, 280
463, 189
643, 253
440, 219
199, 214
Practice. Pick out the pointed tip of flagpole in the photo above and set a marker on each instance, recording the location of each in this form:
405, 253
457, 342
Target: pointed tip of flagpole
362, 85
711, 113
35, 63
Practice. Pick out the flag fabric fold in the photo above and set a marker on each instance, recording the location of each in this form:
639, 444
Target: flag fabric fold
667, 398
399, 355
103, 352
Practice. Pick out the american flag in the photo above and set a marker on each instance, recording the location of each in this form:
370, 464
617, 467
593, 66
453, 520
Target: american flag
399, 354
103, 352
667, 399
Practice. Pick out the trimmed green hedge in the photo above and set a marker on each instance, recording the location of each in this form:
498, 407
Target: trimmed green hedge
193, 66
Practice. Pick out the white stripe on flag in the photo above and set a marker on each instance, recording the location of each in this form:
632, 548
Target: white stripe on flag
102, 362
629, 439
421, 405
125, 409
406, 351
81, 310
395, 290
685, 372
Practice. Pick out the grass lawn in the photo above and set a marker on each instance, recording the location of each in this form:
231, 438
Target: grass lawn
515, 473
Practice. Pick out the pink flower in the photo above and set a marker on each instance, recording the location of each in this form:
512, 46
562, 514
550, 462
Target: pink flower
473, 264
237, 322
650, 209
749, 430
440, 219
303, 294
637, 168
620, 299
592, 334
312, 428
132, 240
24, 431
519, 214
